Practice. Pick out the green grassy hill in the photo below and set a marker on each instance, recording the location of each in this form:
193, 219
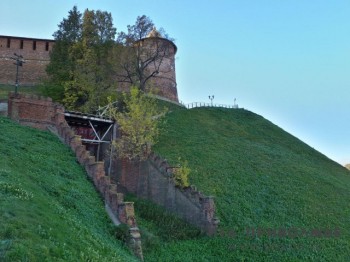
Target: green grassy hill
49, 211
262, 178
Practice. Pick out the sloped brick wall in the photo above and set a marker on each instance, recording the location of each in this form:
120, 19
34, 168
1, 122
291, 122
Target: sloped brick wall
153, 180
42, 113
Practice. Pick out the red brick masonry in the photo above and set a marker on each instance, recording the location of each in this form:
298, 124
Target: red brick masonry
151, 179
36, 55
41, 113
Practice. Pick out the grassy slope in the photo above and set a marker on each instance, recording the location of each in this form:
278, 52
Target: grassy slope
49, 211
262, 177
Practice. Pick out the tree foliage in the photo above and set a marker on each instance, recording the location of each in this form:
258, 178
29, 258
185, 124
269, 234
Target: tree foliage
138, 125
142, 27
62, 60
80, 63
93, 74
69, 30
68, 33
87, 63
181, 174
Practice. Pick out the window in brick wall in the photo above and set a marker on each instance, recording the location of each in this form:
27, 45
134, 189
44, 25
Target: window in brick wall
34, 45
21, 45
47, 46
8, 42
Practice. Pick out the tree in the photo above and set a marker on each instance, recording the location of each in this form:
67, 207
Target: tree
142, 27
92, 76
69, 30
87, 64
105, 30
62, 60
140, 60
138, 125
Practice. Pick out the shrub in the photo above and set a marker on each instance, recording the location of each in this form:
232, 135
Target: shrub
181, 175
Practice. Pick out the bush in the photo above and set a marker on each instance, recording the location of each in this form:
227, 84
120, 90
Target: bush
53, 90
181, 175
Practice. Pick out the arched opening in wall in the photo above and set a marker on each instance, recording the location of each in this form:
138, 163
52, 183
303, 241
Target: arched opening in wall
47, 46
8, 42
21, 45
34, 45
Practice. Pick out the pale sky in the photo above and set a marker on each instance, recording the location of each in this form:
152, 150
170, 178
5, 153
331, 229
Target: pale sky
288, 61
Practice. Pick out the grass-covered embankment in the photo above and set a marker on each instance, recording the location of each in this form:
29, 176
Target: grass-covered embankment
49, 211
262, 178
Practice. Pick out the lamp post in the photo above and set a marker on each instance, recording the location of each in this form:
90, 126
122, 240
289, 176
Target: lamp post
235, 103
19, 62
211, 99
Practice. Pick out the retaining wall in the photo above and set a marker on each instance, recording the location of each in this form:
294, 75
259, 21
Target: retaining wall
42, 113
31, 110
153, 180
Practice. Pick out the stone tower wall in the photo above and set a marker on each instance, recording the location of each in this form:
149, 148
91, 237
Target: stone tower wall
35, 54
164, 82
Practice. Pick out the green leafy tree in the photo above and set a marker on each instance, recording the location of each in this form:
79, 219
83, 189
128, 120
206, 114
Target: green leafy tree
93, 76
62, 58
69, 30
138, 125
87, 63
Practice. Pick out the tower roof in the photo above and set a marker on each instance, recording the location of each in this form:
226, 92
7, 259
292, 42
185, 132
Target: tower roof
154, 33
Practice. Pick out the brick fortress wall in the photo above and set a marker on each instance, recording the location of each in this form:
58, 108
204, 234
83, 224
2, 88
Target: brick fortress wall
165, 81
31, 110
153, 180
162, 84
35, 54
42, 113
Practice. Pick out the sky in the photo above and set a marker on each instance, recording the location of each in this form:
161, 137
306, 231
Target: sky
288, 61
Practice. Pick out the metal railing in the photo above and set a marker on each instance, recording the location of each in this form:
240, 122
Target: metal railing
202, 104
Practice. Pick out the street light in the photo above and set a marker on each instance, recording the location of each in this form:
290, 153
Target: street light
235, 103
211, 99
19, 62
